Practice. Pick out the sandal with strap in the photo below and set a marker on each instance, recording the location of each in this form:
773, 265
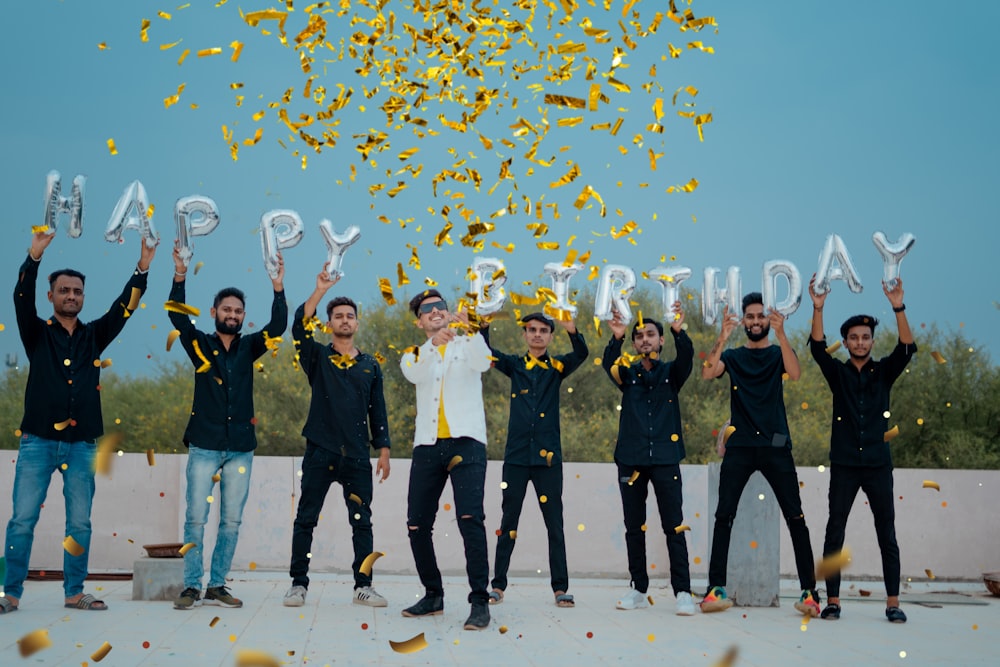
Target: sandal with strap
6, 606
496, 596
87, 602
564, 600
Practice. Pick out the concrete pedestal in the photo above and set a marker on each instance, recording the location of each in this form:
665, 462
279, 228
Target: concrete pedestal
754, 572
157, 578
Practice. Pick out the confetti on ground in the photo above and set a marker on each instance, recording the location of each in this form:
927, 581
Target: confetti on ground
928, 484
412, 645
33, 642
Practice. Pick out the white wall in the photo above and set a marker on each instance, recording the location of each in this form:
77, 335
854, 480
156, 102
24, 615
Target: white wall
954, 532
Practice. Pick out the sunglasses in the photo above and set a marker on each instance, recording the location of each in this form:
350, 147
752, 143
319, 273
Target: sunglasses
432, 306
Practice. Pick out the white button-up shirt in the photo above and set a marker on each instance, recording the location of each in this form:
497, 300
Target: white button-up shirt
465, 360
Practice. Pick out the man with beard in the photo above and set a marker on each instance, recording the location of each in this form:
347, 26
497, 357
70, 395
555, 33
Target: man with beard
860, 457
650, 448
347, 402
220, 434
760, 442
62, 415
449, 441
534, 446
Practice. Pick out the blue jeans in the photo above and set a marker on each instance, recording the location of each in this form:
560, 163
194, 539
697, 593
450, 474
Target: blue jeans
234, 486
37, 459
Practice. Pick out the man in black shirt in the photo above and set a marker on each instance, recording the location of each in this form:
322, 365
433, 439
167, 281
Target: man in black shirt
650, 448
760, 442
347, 402
859, 453
62, 415
534, 445
220, 434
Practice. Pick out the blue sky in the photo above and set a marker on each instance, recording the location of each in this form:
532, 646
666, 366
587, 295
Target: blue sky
824, 122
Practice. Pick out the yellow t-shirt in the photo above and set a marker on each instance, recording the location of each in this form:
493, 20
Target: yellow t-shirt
443, 430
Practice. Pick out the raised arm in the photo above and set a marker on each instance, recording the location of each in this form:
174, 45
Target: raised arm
895, 296
713, 366
819, 300
788, 357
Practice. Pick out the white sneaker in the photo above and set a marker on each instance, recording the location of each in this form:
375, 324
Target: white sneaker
685, 604
295, 597
369, 597
632, 600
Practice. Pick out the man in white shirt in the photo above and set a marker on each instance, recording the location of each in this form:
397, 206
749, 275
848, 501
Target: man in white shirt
449, 441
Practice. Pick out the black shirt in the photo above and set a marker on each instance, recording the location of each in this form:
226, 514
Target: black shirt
347, 399
222, 414
533, 426
649, 428
756, 397
64, 374
861, 403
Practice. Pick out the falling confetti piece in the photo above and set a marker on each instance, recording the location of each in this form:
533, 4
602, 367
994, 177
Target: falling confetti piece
833, 348
503, 629
928, 484
635, 476
681, 528
197, 267
249, 658
212, 623
354, 498
728, 659
101, 653
930, 575
186, 548
728, 432
111, 147
171, 337
455, 460
833, 563
412, 645
33, 642
938, 357
890, 434
366, 564
72, 547
151, 457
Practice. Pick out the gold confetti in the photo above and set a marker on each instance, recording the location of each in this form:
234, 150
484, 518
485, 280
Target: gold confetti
727, 433
833, 348
151, 457
412, 645
111, 147
728, 659
171, 337
63, 425
205, 363
930, 575
548, 458
144, 30
681, 528
385, 286
33, 642
366, 565
938, 357
103, 46
101, 653
214, 51
184, 55
928, 484
890, 434
635, 476
181, 308
251, 658
355, 498
214, 620
237, 48
186, 548
455, 460
833, 563
72, 547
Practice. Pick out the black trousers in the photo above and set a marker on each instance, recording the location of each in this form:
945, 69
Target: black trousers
548, 483
428, 474
667, 485
778, 468
877, 485
321, 468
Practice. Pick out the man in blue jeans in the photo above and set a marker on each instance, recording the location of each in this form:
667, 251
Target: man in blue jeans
449, 441
220, 434
62, 415
346, 411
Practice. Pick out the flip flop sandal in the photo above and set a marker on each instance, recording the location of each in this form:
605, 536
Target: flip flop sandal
87, 602
565, 600
496, 596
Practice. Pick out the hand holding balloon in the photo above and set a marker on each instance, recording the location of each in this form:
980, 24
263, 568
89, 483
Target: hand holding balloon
677, 317
279, 229
39, 242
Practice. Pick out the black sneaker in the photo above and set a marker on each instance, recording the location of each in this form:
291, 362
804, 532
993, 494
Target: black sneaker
895, 615
479, 616
220, 596
831, 612
191, 597
429, 605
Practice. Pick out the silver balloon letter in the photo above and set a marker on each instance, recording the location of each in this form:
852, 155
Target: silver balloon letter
835, 264
614, 288
769, 284
195, 215
131, 212
892, 255
670, 279
55, 204
560, 274
712, 297
337, 245
272, 240
488, 278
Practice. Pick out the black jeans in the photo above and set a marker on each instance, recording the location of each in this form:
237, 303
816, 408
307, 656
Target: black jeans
667, 485
778, 468
428, 474
321, 468
548, 482
877, 485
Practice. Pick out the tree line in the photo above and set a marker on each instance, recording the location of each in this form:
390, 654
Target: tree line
948, 413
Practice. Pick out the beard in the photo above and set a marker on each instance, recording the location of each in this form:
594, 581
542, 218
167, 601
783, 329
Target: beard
229, 329
754, 337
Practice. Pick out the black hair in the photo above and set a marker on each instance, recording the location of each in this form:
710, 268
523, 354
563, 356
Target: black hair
752, 298
228, 292
340, 301
72, 273
423, 296
858, 321
538, 317
645, 321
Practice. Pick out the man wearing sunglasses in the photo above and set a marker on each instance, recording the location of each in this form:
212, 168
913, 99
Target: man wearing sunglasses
449, 442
